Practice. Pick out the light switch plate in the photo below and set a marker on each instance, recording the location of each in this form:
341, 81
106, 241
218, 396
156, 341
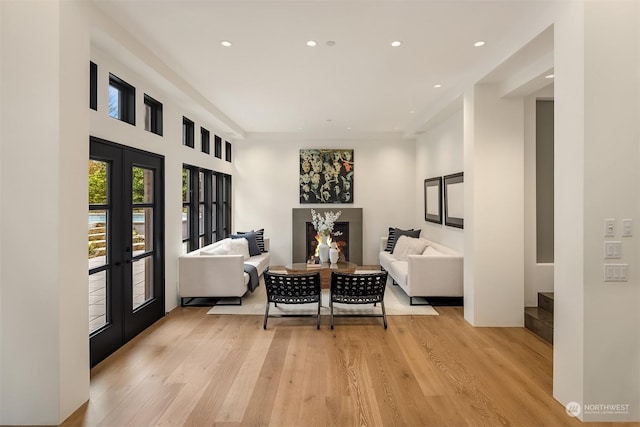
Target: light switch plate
627, 227
612, 249
615, 272
609, 227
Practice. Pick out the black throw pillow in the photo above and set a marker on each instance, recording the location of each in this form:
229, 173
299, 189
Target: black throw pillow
259, 238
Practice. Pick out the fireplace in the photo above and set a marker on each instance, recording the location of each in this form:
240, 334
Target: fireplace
349, 224
340, 236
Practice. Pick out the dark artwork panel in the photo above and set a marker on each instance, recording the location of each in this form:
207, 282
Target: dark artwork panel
326, 176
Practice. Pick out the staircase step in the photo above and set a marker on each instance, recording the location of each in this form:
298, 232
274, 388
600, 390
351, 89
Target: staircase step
545, 301
540, 322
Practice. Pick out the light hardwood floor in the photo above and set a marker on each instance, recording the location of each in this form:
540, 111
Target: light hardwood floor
195, 369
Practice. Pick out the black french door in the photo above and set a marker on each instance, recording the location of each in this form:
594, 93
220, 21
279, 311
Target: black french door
126, 244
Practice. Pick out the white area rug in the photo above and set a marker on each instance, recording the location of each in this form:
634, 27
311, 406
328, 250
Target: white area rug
396, 303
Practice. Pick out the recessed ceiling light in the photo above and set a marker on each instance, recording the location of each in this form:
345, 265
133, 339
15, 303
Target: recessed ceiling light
549, 76
226, 43
478, 43
311, 43
331, 43
437, 85
412, 111
396, 43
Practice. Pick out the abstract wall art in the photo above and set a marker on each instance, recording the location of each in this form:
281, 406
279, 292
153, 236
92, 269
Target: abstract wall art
326, 176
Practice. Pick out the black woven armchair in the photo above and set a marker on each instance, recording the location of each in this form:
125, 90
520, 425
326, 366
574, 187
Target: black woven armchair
292, 289
358, 288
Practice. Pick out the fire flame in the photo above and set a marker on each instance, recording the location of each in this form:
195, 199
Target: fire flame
329, 241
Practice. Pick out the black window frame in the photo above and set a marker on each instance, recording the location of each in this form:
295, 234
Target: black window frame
216, 217
205, 142
227, 151
218, 147
188, 131
127, 100
154, 116
93, 85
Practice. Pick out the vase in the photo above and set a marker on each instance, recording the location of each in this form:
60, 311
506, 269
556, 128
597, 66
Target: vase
323, 249
333, 253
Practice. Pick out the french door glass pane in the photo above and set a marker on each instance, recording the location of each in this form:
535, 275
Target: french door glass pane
201, 220
201, 187
142, 233
186, 185
185, 248
185, 222
142, 283
97, 238
142, 186
97, 300
98, 172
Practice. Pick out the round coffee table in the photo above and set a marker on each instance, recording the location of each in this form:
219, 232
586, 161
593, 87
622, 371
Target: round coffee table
324, 269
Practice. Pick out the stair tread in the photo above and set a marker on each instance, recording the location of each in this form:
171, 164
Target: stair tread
547, 294
537, 313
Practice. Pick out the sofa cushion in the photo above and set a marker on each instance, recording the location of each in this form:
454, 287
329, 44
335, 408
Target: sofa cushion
399, 271
239, 246
252, 241
221, 247
431, 251
406, 246
394, 235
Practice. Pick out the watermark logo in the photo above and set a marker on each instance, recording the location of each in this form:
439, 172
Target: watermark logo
573, 409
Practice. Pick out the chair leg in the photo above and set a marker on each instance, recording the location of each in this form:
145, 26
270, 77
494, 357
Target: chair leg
331, 309
266, 316
384, 314
318, 317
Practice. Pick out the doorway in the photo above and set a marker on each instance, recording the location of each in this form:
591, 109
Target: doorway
126, 247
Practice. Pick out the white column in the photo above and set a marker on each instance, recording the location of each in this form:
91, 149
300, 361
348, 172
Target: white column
597, 338
44, 374
494, 208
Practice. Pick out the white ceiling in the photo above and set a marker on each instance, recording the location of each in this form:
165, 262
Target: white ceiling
269, 81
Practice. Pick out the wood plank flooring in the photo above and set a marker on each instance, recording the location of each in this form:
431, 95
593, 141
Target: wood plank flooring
195, 369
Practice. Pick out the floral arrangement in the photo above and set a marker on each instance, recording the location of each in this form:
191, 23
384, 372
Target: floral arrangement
324, 225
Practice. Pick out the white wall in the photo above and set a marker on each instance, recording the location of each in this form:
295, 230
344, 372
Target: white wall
43, 319
439, 152
596, 340
266, 188
538, 277
494, 208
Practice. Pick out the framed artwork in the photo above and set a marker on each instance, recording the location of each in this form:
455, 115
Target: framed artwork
433, 200
454, 200
326, 176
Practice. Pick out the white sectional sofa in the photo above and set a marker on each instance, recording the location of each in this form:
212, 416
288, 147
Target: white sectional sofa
217, 270
436, 272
